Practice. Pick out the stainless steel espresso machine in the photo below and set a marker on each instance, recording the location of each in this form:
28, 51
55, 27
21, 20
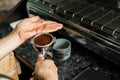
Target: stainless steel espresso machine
93, 24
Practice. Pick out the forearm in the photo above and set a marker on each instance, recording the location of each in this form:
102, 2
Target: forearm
9, 43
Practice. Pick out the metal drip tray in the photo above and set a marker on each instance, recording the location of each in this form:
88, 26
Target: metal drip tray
91, 17
71, 11
84, 12
64, 8
112, 27
111, 15
117, 33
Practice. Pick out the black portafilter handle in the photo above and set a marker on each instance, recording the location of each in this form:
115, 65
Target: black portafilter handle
46, 52
48, 57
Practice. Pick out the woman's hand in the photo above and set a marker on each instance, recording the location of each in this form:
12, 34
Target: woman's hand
29, 27
45, 69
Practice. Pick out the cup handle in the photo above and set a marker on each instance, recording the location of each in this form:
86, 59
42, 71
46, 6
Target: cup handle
54, 40
48, 57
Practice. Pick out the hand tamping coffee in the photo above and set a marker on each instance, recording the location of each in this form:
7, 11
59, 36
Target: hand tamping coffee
42, 42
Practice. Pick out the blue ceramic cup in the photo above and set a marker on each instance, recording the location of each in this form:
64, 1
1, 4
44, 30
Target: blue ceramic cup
62, 49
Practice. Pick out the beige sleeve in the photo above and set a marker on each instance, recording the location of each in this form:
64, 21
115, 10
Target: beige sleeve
9, 66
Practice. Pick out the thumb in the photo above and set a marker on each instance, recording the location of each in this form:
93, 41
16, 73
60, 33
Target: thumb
40, 57
31, 78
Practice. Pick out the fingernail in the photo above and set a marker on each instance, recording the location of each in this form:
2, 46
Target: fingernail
40, 55
60, 25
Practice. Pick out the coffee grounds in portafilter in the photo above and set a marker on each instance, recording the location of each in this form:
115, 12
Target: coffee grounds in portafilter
43, 39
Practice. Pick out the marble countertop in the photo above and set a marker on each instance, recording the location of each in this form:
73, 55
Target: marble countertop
80, 59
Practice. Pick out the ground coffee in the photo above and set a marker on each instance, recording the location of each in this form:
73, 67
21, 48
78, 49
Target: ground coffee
43, 39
